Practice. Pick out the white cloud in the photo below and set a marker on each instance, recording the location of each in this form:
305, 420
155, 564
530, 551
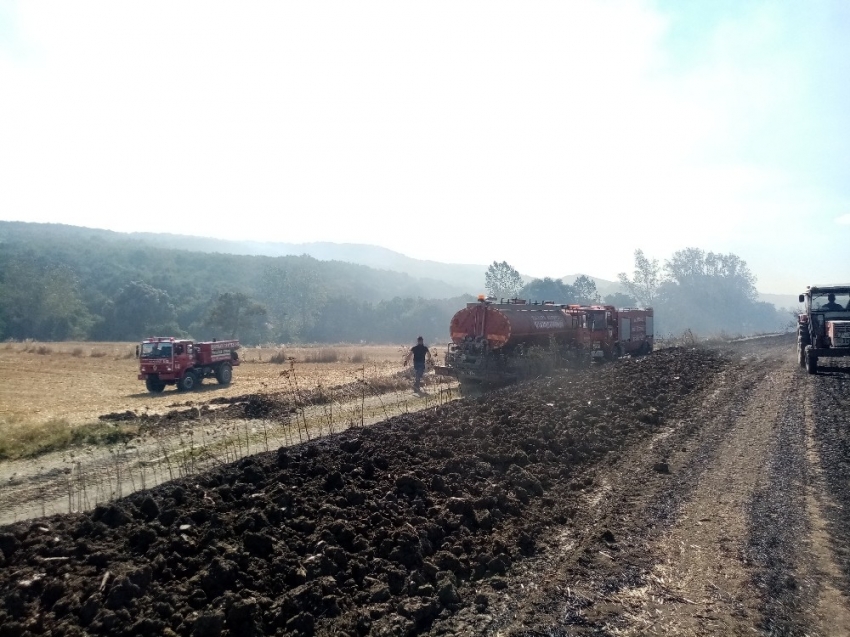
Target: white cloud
843, 220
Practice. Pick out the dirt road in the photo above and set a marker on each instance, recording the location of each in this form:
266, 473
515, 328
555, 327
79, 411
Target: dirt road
745, 528
691, 492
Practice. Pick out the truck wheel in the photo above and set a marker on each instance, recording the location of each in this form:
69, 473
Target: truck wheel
811, 363
154, 385
224, 374
188, 382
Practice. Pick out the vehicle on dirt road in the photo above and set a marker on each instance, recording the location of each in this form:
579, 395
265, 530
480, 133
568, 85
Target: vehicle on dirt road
606, 333
823, 328
495, 342
165, 360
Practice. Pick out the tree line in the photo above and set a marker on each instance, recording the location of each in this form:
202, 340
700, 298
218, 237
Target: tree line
56, 285
706, 292
60, 284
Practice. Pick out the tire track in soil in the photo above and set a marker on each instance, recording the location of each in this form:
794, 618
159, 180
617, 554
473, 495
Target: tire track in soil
596, 576
702, 574
779, 526
754, 535
827, 404
800, 537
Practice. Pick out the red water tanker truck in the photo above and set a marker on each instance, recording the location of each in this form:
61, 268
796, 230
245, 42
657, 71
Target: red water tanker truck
165, 360
494, 342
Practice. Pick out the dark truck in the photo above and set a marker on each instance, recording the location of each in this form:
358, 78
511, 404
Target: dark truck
164, 360
823, 328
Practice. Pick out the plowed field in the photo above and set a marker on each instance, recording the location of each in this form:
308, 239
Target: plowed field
689, 492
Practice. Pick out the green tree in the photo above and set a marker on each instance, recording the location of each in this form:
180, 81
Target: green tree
585, 290
41, 300
712, 293
234, 310
712, 273
140, 310
548, 289
295, 293
644, 284
502, 281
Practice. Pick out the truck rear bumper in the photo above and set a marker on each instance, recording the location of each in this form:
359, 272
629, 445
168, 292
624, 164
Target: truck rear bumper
829, 352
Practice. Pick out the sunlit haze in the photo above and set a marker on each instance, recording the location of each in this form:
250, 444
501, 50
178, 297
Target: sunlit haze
559, 136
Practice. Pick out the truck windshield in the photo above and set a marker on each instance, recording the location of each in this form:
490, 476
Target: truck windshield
840, 301
597, 321
156, 350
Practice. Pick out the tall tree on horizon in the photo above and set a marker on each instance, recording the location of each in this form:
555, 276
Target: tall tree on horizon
647, 278
502, 280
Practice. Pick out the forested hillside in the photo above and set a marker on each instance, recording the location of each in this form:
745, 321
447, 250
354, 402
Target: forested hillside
62, 282
440, 280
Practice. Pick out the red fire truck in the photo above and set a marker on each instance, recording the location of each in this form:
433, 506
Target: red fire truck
604, 332
165, 360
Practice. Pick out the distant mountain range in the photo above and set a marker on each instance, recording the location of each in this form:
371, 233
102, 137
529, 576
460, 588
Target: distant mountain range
443, 279
467, 277
459, 277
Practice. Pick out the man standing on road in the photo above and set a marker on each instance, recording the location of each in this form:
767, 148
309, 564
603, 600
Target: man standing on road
420, 354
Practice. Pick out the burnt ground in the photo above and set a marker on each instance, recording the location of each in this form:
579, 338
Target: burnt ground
687, 492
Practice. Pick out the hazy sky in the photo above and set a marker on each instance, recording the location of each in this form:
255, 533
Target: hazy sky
557, 135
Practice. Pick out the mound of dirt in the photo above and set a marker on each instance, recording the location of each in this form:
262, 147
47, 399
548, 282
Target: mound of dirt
379, 530
250, 406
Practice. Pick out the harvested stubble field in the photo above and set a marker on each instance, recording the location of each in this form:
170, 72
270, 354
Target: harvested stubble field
691, 492
77, 382
54, 394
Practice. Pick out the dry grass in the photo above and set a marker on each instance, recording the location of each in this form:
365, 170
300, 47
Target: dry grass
322, 355
358, 357
278, 358
21, 437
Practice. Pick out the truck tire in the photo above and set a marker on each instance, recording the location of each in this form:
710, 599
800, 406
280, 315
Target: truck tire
224, 374
188, 382
811, 363
154, 385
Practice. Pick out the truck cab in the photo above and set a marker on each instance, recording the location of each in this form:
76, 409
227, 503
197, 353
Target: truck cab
607, 333
823, 327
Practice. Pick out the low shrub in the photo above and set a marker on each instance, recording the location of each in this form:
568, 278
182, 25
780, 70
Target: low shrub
322, 355
278, 358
